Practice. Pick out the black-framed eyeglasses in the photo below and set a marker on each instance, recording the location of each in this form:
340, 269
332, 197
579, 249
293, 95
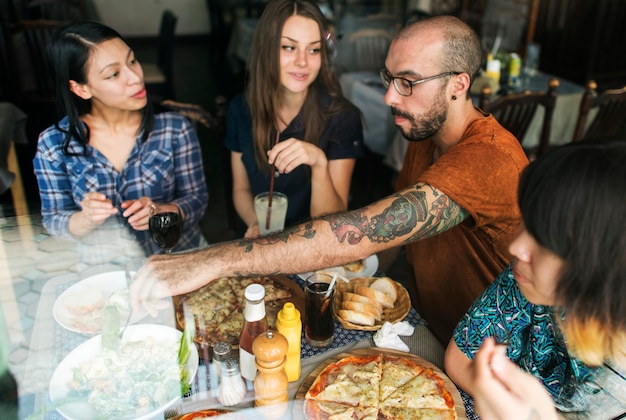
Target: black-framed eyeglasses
404, 86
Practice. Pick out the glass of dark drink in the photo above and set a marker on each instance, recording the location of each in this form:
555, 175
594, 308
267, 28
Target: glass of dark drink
166, 228
319, 319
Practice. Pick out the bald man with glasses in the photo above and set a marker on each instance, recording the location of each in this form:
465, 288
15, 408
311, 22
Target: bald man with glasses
455, 208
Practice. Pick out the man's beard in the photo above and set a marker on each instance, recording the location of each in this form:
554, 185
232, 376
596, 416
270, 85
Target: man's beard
426, 125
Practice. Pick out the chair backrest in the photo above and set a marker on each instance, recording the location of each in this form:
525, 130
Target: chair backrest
165, 45
610, 118
516, 111
64, 10
30, 68
369, 47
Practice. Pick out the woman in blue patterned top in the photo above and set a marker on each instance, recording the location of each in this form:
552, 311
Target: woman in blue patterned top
292, 90
559, 306
110, 159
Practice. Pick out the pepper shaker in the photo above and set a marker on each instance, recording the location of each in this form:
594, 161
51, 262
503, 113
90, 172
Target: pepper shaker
270, 383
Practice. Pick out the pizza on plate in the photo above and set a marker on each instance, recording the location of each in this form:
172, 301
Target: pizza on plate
218, 307
378, 386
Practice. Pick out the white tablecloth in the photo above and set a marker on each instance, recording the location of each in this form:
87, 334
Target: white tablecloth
366, 91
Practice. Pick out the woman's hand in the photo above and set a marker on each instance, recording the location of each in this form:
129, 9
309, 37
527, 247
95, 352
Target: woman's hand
253, 231
96, 208
289, 154
501, 390
138, 212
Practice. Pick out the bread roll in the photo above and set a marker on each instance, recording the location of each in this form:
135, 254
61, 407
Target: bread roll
84, 301
362, 308
386, 285
377, 295
363, 299
356, 317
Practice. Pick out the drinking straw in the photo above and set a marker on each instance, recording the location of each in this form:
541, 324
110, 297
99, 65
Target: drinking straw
268, 215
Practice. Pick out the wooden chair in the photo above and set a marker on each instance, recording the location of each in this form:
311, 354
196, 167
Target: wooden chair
34, 84
610, 118
369, 47
158, 77
63, 10
516, 111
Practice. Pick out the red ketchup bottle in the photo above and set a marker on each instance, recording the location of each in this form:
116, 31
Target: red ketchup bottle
255, 323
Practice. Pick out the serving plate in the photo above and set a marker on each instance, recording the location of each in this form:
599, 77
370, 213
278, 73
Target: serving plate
108, 283
370, 265
308, 381
89, 351
202, 337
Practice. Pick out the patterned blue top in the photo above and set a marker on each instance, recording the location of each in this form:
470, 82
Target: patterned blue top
167, 167
536, 343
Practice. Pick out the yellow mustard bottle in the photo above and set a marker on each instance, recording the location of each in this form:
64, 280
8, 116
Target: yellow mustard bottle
289, 324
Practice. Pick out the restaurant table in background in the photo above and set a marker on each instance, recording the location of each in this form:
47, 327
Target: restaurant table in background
366, 91
36, 268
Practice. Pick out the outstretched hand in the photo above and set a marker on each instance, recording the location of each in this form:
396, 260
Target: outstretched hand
501, 390
138, 212
96, 208
289, 154
163, 276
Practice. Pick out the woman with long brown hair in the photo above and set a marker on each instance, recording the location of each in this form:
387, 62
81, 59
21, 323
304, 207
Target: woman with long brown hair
293, 117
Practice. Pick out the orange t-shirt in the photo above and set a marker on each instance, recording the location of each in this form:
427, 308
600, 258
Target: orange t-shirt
481, 174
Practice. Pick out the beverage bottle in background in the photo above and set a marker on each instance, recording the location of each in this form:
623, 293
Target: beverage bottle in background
289, 324
254, 324
515, 64
8, 385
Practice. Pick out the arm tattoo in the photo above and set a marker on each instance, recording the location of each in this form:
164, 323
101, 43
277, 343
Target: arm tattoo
282, 236
401, 218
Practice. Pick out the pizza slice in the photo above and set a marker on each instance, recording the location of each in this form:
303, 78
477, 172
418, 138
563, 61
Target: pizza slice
326, 410
353, 380
273, 289
426, 390
397, 371
404, 413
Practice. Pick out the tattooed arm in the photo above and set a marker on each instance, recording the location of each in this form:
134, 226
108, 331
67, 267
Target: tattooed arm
415, 213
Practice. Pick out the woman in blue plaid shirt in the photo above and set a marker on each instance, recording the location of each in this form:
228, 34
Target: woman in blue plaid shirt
110, 158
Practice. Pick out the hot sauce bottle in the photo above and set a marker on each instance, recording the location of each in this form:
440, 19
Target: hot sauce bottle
255, 323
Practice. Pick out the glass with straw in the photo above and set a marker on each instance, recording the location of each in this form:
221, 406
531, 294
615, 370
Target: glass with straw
271, 207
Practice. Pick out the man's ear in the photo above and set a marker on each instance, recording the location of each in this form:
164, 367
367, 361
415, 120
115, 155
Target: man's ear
80, 90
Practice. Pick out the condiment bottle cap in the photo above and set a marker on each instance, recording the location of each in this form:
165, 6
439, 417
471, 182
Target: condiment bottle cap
289, 315
230, 366
255, 292
222, 351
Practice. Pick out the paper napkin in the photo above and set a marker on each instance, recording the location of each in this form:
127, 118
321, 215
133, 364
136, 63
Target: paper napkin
388, 335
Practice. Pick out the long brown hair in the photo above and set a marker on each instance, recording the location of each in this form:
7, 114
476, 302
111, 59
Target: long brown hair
263, 89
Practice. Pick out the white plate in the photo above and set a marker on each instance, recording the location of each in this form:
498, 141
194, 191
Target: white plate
59, 384
370, 265
108, 283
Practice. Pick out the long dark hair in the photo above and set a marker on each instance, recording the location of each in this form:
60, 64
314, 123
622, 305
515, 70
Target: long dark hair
68, 53
573, 202
263, 88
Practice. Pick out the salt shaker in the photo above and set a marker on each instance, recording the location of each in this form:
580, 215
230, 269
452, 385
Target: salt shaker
221, 352
232, 387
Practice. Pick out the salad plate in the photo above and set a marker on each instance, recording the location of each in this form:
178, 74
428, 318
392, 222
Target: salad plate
94, 383
368, 269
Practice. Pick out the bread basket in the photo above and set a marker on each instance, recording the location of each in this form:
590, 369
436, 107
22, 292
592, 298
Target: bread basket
400, 310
